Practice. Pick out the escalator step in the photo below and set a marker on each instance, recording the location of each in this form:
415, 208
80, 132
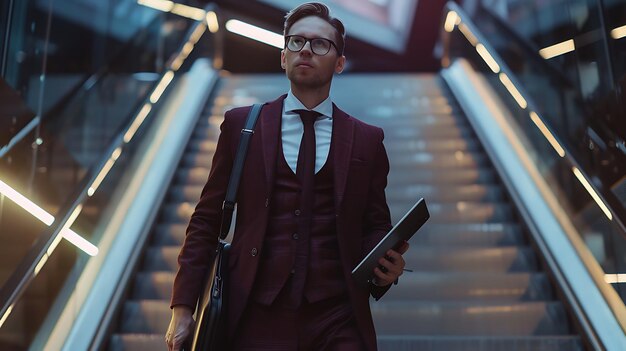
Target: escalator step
432, 146
460, 318
457, 235
398, 179
161, 259
137, 342
153, 286
169, 234
481, 343
430, 286
145, 316
500, 259
461, 212
472, 193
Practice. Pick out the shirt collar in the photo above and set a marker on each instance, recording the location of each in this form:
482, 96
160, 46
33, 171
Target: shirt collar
292, 103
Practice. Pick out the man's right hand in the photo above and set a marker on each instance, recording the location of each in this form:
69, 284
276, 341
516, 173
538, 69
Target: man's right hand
181, 326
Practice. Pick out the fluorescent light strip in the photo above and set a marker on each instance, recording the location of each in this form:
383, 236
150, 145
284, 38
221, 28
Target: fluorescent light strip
615, 278
486, 56
546, 133
175, 8
188, 11
197, 33
141, 116
26, 204
256, 33
618, 32
557, 49
594, 195
47, 218
161, 5
451, 21
212, 22
513, 90
6, 315
104, 171
468, 34
80, 242
165, 81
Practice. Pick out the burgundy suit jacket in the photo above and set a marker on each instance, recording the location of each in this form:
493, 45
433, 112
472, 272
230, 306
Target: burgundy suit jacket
362, 215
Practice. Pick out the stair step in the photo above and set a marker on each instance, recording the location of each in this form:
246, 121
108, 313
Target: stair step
425, 160
494, 260
137, 342
473, 235
472, 193
153, 286
161, 259
459, 318
192, 176
169, 234
460, 212
433, 146
479, 343
471, 176
145, 316
471, 287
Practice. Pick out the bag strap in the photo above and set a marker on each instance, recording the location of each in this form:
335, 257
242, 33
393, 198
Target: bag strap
228, 206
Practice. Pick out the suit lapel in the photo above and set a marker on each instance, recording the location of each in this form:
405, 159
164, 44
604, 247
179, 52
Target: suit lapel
342, 138
271, 117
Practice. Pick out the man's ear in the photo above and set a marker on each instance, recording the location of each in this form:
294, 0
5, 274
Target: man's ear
339, 66
282, 58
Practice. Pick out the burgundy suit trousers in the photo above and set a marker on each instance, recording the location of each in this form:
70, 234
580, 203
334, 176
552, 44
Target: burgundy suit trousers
327, 325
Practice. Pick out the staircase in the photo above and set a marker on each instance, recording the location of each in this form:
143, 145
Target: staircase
476, 284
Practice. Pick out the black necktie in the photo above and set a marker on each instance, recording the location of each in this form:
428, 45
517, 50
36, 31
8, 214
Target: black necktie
305, 169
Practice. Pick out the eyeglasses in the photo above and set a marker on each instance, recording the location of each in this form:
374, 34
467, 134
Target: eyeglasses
319, 46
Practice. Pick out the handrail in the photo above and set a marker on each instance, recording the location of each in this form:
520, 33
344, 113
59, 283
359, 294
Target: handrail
25, 272
606, 196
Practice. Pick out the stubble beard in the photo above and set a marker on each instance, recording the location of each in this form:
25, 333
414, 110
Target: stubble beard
315, 81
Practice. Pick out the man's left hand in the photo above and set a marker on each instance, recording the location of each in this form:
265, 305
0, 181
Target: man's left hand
393, 264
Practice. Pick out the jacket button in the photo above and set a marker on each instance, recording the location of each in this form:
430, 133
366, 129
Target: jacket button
267, 202
254, 251
297, 212
295, 236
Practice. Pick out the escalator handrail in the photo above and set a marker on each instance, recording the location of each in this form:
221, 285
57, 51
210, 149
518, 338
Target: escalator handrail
24, 274
611, 201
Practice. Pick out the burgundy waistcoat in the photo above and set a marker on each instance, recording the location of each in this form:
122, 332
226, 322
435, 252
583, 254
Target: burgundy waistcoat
293, 251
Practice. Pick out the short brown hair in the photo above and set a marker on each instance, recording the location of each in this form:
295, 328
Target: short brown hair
319, 10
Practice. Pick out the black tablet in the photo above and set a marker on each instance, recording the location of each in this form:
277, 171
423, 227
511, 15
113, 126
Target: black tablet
404, 230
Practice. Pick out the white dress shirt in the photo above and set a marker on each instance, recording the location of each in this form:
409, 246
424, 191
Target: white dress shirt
292, 130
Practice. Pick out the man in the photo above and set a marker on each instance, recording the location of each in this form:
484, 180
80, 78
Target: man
311, 205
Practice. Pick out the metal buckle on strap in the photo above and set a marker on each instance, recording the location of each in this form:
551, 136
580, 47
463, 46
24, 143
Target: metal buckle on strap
250, 131
228, 205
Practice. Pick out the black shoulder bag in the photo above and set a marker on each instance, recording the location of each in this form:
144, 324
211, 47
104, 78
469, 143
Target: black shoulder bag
210, 332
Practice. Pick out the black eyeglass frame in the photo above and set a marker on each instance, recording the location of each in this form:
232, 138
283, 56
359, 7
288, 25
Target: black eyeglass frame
310, 40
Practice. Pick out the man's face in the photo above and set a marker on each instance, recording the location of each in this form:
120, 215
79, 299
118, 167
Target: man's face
304, 68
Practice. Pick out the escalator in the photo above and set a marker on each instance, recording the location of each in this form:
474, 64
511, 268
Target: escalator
477, 282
